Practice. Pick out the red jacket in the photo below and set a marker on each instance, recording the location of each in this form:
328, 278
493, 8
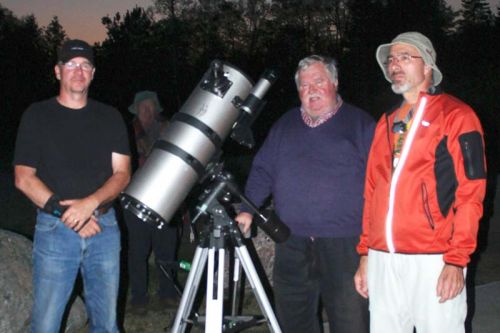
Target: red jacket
431, 202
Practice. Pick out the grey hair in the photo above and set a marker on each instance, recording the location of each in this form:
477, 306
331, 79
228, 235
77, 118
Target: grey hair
329, 63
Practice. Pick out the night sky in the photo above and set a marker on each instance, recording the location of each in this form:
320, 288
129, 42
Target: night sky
82, 19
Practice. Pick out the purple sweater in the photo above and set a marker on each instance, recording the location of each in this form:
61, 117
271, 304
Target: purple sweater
315, 175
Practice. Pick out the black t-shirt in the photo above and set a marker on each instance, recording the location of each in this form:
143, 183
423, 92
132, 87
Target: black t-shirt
71, 148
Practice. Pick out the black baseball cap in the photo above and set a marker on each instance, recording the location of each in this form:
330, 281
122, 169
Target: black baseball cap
75, 48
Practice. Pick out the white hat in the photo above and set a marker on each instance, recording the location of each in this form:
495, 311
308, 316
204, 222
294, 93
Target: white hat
421, 43
142, 96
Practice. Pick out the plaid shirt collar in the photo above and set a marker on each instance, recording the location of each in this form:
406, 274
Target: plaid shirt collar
314, 122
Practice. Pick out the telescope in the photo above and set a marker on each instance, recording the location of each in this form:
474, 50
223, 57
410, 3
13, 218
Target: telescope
225, 102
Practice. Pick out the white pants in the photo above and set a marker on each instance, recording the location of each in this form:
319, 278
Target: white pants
402, 290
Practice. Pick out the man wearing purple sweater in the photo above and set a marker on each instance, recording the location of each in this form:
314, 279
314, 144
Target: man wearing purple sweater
313, 165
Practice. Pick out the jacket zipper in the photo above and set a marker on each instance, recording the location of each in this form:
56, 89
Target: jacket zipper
468, 155
397, 172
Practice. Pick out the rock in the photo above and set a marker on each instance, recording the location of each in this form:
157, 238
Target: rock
16, 290
77, 317
265, 250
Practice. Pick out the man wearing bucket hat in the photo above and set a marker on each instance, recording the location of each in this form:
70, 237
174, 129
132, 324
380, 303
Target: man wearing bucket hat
147, 123
72, 160
424, 188
142, 237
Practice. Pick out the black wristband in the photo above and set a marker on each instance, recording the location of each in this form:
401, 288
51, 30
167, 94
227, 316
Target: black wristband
52, 206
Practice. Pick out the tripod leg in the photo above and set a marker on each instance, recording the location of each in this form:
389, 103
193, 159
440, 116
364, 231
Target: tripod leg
236, 279
215, 292
258, 289
189, 294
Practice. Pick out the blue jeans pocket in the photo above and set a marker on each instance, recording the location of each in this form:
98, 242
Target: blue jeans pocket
46, 222
108, 219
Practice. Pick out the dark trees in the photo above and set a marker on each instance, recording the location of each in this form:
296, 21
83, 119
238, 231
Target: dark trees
168, 46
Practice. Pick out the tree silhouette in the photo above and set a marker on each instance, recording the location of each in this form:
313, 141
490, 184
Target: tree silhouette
477, 78
54, 36
475, 12
25, 71
168, 46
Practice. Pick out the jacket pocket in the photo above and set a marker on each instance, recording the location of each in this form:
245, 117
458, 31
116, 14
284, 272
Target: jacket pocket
471, 144
425, 203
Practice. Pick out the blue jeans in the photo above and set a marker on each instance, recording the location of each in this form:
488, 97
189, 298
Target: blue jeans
59, 254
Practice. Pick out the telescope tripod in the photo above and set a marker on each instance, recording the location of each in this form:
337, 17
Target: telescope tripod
211, 248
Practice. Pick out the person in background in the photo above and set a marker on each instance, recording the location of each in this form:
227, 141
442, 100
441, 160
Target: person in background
313, 165
424, 189
143, 237
72, 160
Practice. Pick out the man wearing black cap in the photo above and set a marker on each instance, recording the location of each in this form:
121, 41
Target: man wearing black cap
72, 160
425, 184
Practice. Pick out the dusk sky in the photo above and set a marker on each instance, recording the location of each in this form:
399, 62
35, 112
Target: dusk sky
82, 19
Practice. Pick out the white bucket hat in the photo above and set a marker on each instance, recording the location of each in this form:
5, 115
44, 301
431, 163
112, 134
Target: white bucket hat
421, 43
144, 95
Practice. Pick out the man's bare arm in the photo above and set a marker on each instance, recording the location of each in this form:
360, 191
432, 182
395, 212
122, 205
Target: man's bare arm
28, 182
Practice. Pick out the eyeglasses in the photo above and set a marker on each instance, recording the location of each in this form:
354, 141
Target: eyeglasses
71, 65
403, 58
